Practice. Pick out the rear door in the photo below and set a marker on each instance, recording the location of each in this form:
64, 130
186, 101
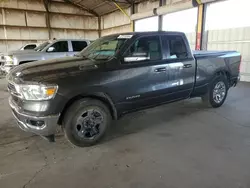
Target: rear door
180, 66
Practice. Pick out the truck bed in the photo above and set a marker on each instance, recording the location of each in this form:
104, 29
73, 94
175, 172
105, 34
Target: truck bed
206, 54
208, 62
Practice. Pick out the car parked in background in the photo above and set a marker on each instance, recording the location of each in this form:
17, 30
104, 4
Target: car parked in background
48, 50
29, 46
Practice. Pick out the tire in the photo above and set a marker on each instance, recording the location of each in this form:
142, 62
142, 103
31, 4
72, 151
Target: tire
86, 122
212, 100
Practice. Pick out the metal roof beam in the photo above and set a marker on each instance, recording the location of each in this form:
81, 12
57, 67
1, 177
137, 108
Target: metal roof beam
82, 7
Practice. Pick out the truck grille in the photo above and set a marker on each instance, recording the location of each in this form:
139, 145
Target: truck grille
11, 87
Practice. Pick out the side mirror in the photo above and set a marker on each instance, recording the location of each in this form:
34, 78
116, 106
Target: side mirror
137, 57
51, 49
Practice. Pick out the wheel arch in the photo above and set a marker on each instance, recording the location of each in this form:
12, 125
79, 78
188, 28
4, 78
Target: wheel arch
226, 73
23, 62
103, 97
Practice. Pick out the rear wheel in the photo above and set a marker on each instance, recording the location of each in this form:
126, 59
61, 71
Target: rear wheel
217, 92
86, 122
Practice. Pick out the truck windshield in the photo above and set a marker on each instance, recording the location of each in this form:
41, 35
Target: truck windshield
103, 48
41, 46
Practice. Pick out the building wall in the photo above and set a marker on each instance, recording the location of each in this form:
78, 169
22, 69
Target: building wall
146, 6
24, 21
115, 22
233, 39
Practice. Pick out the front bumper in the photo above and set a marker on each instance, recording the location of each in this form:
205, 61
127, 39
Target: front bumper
234, 81
46, 125
6, 68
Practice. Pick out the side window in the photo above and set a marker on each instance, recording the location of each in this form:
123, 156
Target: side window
61, 46
79, 45
29, 47
146, 48
177, 47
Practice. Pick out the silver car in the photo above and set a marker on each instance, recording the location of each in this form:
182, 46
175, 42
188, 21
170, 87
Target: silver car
48, 50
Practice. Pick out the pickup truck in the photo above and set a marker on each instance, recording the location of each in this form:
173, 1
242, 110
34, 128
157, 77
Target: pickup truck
23, 49
48, 50
115, 75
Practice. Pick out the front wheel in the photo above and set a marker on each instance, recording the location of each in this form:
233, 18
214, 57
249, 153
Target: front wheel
86, 122
217, 92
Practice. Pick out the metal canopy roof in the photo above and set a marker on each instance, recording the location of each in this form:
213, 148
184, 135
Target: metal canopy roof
101, 7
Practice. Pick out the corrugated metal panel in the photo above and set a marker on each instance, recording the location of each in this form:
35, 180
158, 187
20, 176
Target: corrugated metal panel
91, 35
100, 7
27, 33
121, 29
24, 4
147, 6
36, 19
115, 19
3, 46
73, 34
233, 39
77, 22
66, 8
2, 36
12, 15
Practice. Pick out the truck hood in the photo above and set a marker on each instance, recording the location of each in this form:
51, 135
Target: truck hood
15, 52
45, 71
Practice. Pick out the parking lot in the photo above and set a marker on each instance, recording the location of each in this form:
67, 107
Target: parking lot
177, 145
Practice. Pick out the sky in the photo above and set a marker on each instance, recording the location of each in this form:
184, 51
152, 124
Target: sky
221, 15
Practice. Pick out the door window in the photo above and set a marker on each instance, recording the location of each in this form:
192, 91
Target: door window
176, 46
30, 47
61, 46
145, 48
79, 45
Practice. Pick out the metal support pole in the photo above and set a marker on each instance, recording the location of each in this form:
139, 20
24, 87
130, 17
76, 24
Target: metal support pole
160, 17
126, 14
46, 6
204, 34
99, 26
200, 27
132, 21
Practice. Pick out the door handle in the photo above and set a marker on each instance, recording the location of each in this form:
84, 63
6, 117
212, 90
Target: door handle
187, 66
162, 69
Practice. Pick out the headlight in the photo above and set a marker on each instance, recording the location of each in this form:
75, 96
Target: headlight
36, 92
15, 61
9, 59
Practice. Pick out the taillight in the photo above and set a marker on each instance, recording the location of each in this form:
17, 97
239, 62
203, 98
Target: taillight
240, 63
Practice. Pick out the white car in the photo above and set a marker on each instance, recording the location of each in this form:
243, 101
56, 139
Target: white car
48, 50
30, 46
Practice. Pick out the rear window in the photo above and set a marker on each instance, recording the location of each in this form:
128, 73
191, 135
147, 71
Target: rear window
176, 45
79, 45
30, 47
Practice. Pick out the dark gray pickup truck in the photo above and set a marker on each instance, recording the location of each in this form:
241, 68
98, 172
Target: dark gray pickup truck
115, 75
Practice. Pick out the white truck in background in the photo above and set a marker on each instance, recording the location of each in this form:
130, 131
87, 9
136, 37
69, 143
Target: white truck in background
48, 50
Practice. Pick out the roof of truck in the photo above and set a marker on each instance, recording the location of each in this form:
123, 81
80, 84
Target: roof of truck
70, 40
149, 33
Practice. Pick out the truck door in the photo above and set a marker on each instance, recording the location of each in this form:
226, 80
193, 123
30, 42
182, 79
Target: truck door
180, 66
143, 75
57, 50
